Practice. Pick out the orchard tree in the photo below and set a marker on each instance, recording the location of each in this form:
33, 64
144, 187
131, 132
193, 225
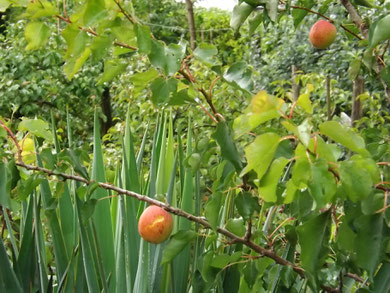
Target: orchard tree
276, 195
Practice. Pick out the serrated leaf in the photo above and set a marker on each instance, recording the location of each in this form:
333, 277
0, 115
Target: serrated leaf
176, 244
140, 80
268, 184
166, 58
73, 65
143, 39
37, 34
302, 131
162, 89
344, 136
206, 53
112, 68
322, 184
304, 102
249, 121
299, 14
246, 205
313, 238
94, 12
240, 76
76, 41
368, 242
380, 31
38, 9
260, 153
228, 148
212, 209
355, 181
240, 14
236, 226
36, 127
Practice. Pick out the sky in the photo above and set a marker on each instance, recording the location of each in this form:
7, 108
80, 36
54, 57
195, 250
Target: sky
223, 4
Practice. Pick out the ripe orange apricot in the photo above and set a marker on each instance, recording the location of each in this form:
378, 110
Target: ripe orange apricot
155, 224
322, 34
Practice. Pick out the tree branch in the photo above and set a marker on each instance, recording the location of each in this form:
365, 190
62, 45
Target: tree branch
358, 21
200, 220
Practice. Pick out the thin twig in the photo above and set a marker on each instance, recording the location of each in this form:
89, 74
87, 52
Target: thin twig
13, 137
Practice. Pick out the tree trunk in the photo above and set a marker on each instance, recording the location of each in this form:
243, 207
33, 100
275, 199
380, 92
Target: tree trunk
106, 108
191, 23
358, 89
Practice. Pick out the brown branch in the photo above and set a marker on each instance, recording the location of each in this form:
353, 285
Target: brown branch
125, 13
92, 32
312, 11
200, 220
201, 90
357, 20
13, 137
327, 18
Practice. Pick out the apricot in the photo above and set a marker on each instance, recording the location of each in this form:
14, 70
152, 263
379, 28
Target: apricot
322, 34
155, 224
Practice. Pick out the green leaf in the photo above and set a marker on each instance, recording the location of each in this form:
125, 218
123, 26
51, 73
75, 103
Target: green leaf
176, 244
247, 122
112, 68
299, 14
144, 39
94, 12
305, 103
240, 76
268, 184
236, 226
141, 79
240, 14
344, 136
37, 34
36, 127
76, 41
4, 4
260, 153
38, 9
254, 22
162, 89
9, 281
313, 238
382, 281
212, 209
355, 181
166, 58
303, 131
246, 205
227, 145
73, 65
322, 184
379, 31
272, 9
4, 186
368, 242
100, 47
206, 53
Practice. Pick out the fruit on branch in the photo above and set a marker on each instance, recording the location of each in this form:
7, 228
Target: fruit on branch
155, 224
322, 34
